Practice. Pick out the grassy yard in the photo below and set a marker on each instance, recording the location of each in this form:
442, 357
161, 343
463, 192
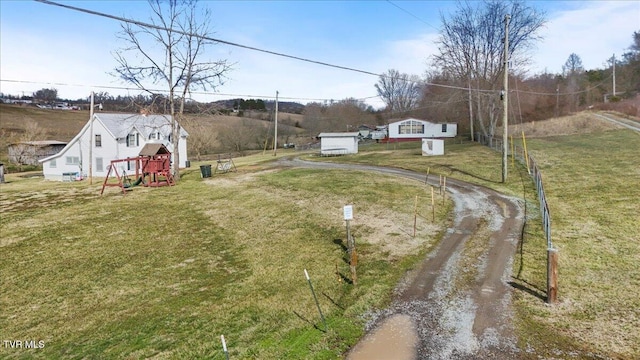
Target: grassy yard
591, 182
164, 272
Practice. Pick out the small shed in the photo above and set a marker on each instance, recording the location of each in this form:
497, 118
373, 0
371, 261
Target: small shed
29, 152
432, 147
338, 143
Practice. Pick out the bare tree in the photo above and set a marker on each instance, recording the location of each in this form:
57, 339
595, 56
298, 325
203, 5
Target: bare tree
573, 73
471, 50
46, 95
401, 92
180, 31
20, 151
240, 137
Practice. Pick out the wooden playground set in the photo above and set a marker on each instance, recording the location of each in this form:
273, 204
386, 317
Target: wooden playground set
152, 167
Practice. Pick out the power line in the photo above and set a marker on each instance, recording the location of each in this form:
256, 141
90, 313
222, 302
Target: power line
152, 26
412, 15
143, 24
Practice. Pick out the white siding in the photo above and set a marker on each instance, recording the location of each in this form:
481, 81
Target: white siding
111, 149
338, 144
421, 129
432, 147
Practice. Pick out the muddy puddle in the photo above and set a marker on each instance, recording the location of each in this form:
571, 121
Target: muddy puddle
395, 338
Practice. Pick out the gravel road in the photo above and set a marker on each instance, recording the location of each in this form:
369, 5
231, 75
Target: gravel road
456, 305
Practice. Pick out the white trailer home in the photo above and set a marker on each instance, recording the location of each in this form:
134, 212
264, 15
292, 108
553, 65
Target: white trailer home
108, 137
338, 143
415, 129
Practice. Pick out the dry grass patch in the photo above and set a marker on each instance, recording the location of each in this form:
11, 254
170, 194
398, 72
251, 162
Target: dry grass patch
580, 123
161, 273
594, 208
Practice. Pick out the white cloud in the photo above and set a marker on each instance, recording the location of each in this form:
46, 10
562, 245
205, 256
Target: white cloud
595, 31
409, 56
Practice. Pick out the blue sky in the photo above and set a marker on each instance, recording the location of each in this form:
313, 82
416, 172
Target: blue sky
47, 46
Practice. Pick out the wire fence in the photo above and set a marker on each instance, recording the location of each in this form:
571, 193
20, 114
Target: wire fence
523, 157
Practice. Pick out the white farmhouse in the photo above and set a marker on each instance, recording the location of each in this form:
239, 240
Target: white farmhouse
338, 143
415, 129
115, 136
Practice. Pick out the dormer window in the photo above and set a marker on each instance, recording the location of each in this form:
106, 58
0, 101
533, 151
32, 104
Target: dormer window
132, 140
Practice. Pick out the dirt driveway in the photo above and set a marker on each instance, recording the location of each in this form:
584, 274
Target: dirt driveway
456, 305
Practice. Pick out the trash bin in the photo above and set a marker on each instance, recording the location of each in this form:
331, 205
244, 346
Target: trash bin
187, 163
205, 170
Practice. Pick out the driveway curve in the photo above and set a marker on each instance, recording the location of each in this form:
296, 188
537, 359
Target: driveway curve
456, 304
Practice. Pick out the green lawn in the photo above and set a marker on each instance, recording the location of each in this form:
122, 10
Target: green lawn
164, 272
592, 186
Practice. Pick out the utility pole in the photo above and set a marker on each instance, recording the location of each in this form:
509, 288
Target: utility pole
614, 75
470, 108
557, 100
505, 100
275, 136
91, 141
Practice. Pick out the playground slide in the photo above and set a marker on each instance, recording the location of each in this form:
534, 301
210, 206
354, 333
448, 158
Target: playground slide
132, 184
137, 182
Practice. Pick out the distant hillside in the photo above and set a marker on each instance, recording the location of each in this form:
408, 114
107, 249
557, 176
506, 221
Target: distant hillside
253, 104
209, 134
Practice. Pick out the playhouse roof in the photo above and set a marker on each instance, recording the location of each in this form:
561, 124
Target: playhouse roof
154, 149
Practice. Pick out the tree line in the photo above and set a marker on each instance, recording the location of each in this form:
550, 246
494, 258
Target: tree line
463, 83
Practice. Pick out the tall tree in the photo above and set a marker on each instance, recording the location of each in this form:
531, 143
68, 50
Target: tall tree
401, 92
169, 53
573, 73
629, 73
471, 50
46, 95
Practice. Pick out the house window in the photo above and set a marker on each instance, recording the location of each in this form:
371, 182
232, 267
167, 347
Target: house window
52, 164
99, 165
444, 128
131, 165
72, 160
154, 136
411, 127
132, 140
98, 140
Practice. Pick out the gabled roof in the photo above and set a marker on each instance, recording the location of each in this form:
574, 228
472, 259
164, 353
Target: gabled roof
120, 125
341, 134
395, 121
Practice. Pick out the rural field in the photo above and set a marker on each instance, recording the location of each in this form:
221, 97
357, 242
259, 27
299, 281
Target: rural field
162, 273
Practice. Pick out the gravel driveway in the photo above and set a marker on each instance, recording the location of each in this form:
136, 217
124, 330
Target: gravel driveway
456, 305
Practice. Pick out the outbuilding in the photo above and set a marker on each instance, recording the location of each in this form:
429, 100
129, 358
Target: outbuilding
432, 147
30, 152
338, 143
